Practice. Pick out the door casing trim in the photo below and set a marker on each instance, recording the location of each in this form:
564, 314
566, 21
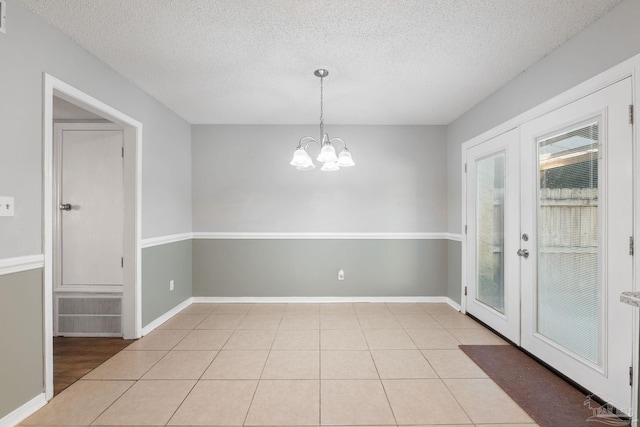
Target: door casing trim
132, 304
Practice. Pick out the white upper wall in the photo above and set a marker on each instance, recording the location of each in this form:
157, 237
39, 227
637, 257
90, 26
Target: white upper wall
30, 48
609, 41
242, 180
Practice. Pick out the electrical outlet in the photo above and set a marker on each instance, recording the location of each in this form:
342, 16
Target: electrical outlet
6, 206
171, 285
340, 274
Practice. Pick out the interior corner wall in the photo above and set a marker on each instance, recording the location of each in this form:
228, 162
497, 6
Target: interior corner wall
30, 48
454, 267
609, 41
243, 183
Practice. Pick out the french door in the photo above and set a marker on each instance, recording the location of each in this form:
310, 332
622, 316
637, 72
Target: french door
570, 260
493, 194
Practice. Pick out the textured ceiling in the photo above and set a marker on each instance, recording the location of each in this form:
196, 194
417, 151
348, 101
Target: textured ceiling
252, 61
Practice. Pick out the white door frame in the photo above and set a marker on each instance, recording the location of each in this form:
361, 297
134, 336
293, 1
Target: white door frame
628, 68
132, 304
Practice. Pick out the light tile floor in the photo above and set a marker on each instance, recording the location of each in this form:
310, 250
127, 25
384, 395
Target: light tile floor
361, 364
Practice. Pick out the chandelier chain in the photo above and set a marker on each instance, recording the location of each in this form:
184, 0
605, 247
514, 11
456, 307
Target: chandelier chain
321, 105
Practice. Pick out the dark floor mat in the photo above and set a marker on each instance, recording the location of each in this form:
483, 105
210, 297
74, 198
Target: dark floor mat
546, 397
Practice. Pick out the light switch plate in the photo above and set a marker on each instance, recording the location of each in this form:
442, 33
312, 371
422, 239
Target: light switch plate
6, 206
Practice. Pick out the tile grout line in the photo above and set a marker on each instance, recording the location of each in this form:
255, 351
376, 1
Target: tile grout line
196, 381
384, 389
114, 401
253, 396
458, 402
319, 369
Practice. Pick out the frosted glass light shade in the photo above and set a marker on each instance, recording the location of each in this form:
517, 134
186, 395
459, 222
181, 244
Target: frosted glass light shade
300, 157
307, 167
330, 167
327, 154
344, 159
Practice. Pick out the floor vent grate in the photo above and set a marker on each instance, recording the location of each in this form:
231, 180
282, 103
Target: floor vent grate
89, 316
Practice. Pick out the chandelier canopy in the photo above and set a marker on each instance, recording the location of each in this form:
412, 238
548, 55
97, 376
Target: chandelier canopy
327, 157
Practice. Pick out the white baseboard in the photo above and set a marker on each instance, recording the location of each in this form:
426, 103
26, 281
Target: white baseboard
23, 412
453, 304
315, 299
168, 315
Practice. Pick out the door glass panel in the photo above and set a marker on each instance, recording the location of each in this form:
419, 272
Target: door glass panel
569, 286
490, 177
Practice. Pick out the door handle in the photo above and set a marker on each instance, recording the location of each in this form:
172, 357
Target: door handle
65, 206
523, 253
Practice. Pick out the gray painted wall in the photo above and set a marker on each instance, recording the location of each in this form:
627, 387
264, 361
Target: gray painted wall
612, 39
32, 47
454, 270
21, 335
160, 264
242, 180
305, 268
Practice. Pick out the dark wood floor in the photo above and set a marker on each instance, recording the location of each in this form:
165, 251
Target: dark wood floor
74, 357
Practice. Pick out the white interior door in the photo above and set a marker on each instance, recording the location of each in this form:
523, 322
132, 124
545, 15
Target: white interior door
91, 199
493, 227
577, 209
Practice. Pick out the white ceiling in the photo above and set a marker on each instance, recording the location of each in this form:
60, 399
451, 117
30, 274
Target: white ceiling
252, 61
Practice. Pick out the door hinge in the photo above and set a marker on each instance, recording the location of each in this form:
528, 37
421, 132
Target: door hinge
121, 262
465, 291
631, 375
465, 168
631, 246
465, 229
630, 114
123, 152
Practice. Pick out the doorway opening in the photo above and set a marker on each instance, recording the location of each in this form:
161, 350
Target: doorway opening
67, 107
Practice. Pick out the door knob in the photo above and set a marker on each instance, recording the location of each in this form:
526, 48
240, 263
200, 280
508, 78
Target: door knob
523, 253
65, 206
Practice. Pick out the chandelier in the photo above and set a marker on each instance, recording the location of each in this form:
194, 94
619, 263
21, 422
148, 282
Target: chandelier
327, 157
